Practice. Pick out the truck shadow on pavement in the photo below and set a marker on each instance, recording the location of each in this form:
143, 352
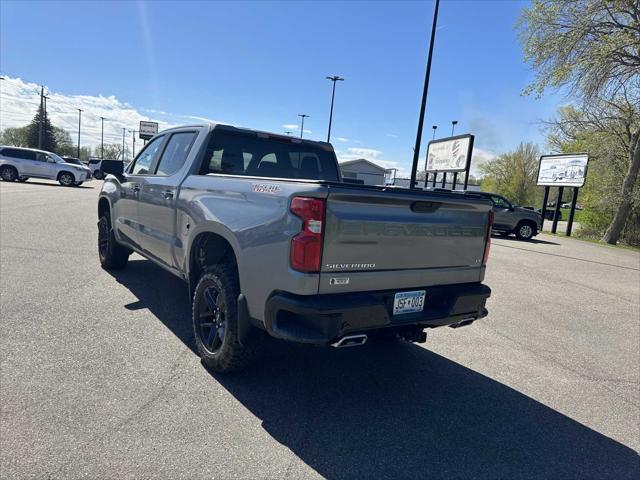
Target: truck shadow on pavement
393, 410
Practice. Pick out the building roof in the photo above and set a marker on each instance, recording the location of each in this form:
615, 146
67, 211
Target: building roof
362, 160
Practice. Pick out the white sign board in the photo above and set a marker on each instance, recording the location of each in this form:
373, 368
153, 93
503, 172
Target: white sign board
148, 129
451, 154
567, 170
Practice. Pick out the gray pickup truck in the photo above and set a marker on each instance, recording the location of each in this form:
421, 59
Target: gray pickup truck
272, 242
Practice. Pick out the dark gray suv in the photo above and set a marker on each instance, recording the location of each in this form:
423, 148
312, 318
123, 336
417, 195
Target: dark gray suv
508, 218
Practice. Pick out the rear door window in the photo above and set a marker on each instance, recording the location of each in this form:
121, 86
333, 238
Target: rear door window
18, 153
175, 153
262, 155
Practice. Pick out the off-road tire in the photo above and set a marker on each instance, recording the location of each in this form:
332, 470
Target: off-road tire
231, 355
113, 256
8, 173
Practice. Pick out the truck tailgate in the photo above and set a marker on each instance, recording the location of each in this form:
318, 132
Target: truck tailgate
386, 238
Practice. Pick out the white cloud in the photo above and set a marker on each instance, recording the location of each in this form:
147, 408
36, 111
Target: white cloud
392, 135
367, 153
480, 157
291, 126
342, 139
19, 102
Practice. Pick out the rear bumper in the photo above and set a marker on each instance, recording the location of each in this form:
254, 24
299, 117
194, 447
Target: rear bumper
322, 319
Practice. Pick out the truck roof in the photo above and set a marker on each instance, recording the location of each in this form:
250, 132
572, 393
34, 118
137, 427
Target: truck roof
224, 126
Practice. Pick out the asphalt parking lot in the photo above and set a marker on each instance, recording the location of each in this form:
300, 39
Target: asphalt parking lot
99, 379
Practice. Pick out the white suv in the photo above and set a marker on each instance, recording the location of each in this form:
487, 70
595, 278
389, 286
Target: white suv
17, 163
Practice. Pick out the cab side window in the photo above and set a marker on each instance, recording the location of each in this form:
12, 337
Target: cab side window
146, 158
499, 202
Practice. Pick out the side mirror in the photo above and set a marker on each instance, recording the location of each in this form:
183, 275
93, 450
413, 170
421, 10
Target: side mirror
114, 167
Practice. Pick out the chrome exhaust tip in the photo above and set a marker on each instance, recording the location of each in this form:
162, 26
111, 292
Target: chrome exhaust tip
351, 341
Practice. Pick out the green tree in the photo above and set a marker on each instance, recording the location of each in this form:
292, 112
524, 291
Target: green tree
513, 174
15, 136
48, 135
591, 48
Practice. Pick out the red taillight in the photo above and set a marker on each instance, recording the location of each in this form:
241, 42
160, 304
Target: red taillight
487, 245
306, 246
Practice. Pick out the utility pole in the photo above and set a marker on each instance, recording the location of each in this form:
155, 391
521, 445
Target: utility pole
41, 123
102, 140
123, 131
423, 105
334, 79
303, 116
1, 78
79, 124
45, 103
133, 136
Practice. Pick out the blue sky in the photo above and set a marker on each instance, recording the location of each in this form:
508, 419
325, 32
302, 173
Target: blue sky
259, 64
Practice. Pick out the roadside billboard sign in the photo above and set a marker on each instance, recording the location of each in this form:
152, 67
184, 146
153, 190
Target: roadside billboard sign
148, 129
451, 154
565, 170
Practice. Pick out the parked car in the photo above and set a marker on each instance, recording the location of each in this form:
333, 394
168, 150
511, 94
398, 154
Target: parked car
548, 213
271, 242
17, 163
94, 165
508, 218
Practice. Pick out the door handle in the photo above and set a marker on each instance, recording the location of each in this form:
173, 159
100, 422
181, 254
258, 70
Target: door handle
167, 194
135, 187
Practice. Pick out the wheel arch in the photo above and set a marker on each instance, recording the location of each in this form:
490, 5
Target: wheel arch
208, 248
103, 206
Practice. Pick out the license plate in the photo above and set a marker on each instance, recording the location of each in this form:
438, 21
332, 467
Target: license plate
408, 302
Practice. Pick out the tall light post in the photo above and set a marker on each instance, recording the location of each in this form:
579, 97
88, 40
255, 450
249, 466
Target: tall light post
435, 127
334, 79
102, 140
453, 126
1, 78
303, 116
423, 105
133, 137
79, 124
123, 150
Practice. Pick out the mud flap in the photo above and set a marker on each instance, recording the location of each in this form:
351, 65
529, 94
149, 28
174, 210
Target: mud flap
244, 322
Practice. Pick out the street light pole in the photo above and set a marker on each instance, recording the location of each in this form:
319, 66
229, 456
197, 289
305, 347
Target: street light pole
79, 124
133, 136
334, 79
303, 116
102, 140
435, 127
1, 78
416, 151
453, 126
